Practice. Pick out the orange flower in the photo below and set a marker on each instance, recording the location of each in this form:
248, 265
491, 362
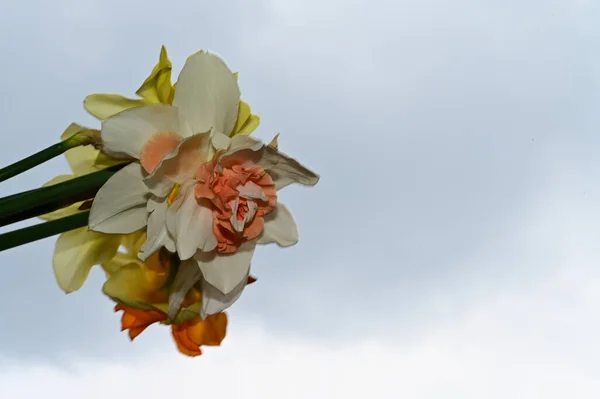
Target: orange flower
189, 336
241, 195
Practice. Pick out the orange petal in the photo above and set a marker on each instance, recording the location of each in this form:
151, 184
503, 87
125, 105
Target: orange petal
189, 352
183, 341
137, 320
210, 332
251, 280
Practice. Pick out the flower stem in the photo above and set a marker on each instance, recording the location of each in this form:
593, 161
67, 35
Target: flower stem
44, 200
43, 230
85, 137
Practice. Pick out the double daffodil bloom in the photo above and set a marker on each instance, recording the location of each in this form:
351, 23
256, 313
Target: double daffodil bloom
77, 251
201, 190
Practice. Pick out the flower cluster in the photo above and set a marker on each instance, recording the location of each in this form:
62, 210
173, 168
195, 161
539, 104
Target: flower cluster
175, 229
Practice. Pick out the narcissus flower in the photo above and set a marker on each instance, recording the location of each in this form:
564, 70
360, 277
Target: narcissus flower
77, 251
201, 191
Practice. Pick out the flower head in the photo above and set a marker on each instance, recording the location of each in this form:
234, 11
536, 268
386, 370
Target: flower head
201, 191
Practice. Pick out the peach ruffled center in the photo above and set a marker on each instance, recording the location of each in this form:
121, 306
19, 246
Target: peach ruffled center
241, 196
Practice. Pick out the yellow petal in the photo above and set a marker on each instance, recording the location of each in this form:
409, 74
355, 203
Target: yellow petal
77, 251
251, 124
103, 106
157, 87
131, 285
103, 161
133, 242
81, 159
119, 260
68, 211
246, 122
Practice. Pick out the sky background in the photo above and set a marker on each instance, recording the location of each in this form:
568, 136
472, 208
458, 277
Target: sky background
450, 249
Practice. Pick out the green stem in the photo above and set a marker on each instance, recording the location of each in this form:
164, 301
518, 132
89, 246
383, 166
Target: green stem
83, 138
43, 230
44, 200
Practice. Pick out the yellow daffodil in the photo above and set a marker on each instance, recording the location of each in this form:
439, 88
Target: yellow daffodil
201, 190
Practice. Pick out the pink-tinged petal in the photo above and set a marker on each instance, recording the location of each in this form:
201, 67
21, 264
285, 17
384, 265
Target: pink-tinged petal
179, 165
125, 133
156, 148
120, 205
208, 94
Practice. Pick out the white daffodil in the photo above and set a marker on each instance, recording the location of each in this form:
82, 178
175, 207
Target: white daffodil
201, 193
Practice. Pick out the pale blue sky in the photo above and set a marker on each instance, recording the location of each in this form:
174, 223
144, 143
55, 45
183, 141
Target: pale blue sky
458, 148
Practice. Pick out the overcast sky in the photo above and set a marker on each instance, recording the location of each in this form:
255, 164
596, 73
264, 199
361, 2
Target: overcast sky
450, 250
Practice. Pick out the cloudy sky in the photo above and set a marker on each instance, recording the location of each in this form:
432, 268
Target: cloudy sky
450, 250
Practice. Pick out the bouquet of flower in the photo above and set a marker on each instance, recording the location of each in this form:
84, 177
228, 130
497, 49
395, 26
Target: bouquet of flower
170, 197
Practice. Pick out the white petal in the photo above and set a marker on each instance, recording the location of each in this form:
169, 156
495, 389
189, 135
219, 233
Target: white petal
280, 227
225, 271
251, 190
220, 141
214, 301
282, 169
285, 170
188, 274
120, 205
126, 132
191, 224
207, 94
179, 165
157, 234
237, 224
